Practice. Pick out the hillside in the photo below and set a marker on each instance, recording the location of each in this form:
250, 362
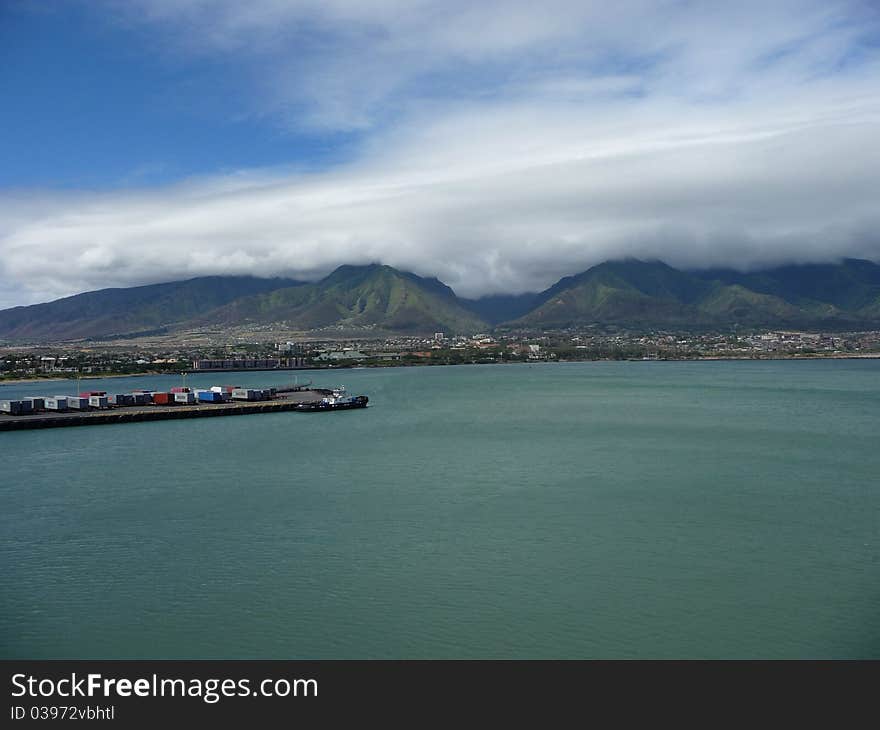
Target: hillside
383, 299
110, 312
374, 296
652, 293
498, 308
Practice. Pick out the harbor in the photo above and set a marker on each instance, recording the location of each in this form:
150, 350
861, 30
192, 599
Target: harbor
97, 408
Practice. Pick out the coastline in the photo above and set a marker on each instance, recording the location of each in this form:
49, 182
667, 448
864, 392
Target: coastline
707, 358
31, 381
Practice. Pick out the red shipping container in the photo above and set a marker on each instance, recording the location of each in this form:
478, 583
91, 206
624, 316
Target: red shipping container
180, 389
163, 399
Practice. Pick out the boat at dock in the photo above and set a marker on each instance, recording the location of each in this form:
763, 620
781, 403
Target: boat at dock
336, 399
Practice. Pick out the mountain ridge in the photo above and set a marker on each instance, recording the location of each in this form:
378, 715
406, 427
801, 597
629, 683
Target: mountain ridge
380, 298
123, 310
652, 293
372, 296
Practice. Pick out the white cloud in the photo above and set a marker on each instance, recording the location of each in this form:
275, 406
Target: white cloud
700, 134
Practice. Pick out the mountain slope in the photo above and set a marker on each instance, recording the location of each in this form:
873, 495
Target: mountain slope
621, 292
380, 298
109, 312
651, 293
851, 286
497, 308
374, 296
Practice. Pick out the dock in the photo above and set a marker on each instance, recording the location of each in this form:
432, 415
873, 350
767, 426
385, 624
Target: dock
153, 412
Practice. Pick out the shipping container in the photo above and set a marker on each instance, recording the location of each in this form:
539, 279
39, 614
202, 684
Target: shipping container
209, 396
55, 403
37, 404
11, 407
90, 393
99, 401
163, 399
77, 402
185, 398
179, 389
121, 399
246, 394
140, 399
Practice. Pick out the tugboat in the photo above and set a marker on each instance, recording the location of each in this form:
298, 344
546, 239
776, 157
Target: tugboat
335, 400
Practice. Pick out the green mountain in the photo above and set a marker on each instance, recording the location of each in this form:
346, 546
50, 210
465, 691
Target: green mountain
851, 287
382, 299
140, 309
375, 296
619, 292
651, 293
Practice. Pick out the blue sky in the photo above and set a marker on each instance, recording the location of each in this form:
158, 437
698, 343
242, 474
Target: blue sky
94, 103
498, 145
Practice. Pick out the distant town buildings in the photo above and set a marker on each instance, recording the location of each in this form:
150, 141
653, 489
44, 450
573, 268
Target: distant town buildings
336, 355
270, 363
585, 343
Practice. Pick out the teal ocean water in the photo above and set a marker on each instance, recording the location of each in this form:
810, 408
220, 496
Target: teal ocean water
632, 509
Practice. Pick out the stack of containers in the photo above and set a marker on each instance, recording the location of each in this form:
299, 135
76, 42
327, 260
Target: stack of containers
12, 407
184, 397
246, 394
225, 391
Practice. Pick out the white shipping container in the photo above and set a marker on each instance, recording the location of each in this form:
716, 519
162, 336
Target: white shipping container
184, 397
56, 403
99, 401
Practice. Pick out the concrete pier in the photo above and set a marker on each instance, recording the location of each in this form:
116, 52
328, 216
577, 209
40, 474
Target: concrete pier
133, 414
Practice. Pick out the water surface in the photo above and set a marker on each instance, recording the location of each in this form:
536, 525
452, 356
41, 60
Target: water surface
632, 509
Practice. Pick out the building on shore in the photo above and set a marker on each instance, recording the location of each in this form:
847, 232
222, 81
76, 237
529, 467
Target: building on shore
270, 363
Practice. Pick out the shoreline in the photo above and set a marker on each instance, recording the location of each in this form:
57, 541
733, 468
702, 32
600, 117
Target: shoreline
30, 381
707, 358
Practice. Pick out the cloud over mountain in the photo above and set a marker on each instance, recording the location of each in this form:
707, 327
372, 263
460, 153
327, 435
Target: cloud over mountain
497, 146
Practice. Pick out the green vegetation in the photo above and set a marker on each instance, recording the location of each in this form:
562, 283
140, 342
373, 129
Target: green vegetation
639, 293
141, 309
376, 300
358, 296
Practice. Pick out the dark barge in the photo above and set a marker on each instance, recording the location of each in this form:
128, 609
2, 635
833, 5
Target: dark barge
358, 401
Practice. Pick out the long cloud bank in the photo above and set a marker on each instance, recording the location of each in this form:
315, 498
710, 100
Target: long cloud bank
757, 150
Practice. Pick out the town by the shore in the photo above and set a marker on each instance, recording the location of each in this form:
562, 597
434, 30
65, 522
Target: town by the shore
61, 362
